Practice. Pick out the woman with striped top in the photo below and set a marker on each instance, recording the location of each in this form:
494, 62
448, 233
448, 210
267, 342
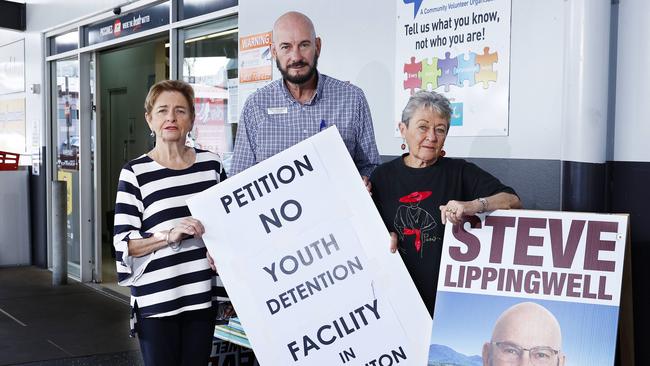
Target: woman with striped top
160, 254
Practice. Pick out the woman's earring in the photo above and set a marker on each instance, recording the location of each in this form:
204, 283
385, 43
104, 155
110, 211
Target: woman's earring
403, 144
442, 153
152, 134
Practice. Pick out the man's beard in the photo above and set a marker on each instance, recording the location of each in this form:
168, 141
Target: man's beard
298, 79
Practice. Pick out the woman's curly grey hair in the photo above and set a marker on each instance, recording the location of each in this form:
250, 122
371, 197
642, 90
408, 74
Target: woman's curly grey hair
427, 99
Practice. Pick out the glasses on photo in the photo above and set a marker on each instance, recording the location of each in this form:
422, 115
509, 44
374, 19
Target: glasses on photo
539, 356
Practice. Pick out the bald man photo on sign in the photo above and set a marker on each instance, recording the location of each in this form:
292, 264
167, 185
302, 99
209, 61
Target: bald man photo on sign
525, 334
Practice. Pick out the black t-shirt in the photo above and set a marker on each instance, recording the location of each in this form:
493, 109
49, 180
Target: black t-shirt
408, 200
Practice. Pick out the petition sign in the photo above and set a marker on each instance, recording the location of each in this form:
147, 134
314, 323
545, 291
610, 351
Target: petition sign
304, 256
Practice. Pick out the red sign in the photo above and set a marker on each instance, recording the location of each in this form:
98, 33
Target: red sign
117, 28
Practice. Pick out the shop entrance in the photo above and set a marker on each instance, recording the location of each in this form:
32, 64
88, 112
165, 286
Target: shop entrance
125, 75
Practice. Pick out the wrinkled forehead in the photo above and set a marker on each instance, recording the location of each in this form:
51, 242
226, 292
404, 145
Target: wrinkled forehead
170, 98
430, 114
293, 28
527, 333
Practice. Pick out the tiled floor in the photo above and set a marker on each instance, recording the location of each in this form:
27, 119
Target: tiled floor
66, 325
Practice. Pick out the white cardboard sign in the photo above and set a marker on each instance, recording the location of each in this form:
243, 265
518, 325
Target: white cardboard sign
304, 256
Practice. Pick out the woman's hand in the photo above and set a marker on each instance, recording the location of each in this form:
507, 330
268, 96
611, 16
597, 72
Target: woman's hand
393, 242
186, 227
454, 211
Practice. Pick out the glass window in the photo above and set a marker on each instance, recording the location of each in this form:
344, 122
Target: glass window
65, 133
210, 66
67, 114
64, 43
192, 8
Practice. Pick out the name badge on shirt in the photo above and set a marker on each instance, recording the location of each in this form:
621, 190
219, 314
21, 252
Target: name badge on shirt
277, 110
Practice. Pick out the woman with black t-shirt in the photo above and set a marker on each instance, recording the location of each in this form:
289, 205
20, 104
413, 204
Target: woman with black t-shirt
417, 193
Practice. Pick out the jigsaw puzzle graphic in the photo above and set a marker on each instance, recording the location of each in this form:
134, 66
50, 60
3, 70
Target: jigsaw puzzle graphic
412, 80
486, 61
461, 70
467, 69
430, 74
447, 66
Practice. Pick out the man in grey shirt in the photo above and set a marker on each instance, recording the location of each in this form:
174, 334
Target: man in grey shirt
302, 103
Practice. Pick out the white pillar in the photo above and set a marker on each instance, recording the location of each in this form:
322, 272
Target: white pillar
586, 70
584, 110
632, 139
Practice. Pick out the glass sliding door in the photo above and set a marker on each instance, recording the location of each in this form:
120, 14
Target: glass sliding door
120, 85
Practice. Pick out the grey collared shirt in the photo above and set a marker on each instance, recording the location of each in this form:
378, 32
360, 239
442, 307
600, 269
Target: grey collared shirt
272, 121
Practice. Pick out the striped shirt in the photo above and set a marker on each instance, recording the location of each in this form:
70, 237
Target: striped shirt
272, 121
151, 198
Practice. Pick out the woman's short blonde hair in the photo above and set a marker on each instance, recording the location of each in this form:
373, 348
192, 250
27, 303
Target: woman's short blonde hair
170, 85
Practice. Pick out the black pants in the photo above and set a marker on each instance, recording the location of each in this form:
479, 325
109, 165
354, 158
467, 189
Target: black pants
184, 339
